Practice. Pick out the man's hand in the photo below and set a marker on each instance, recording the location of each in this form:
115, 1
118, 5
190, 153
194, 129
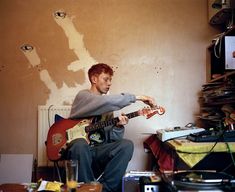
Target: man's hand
123, 120
147, 100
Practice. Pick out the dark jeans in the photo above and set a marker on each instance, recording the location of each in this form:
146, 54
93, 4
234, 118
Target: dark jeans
110, 158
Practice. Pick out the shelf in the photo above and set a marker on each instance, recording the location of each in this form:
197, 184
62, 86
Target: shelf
223, 77
219, 89
216, 57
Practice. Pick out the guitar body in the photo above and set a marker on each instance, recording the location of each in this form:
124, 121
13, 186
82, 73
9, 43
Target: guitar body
57, 136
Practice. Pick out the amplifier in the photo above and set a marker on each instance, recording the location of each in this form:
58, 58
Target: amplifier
131, 181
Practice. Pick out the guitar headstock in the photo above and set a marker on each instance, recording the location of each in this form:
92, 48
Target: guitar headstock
149, 112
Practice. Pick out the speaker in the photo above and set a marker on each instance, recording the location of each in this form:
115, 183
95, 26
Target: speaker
130, 184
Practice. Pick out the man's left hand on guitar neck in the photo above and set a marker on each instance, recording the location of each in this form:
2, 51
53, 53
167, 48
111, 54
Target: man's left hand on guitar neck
123, 120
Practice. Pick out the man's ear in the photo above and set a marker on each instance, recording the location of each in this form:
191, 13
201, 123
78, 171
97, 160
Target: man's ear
94, 79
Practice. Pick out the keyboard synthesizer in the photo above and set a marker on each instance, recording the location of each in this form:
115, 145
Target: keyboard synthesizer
176, 132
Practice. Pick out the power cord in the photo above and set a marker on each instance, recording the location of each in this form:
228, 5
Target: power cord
218, 42
231, 153
48, 115
204, 152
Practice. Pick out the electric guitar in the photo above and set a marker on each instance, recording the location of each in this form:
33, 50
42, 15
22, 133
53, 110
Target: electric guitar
65, 131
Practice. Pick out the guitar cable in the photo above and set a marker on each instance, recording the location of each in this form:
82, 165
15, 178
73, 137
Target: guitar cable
205, 152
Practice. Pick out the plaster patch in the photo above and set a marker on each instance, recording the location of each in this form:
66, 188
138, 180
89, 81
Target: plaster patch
46, 78
65, 94
76, 43
32, 57
58, 96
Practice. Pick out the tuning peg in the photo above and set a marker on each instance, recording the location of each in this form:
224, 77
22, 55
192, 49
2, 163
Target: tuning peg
161, 110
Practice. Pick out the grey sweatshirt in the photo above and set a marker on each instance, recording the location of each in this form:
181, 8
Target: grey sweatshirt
87, 104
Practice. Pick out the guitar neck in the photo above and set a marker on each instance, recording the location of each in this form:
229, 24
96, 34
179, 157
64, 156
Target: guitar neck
110, 122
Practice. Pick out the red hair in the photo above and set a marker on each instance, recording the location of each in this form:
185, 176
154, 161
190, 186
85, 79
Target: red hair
99, 68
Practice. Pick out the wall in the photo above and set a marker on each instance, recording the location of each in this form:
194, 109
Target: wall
157, 48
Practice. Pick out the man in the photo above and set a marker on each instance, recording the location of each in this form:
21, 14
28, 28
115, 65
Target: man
107, 151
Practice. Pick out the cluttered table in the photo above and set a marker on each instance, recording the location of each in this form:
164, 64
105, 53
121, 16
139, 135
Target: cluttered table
170, 154
193, 152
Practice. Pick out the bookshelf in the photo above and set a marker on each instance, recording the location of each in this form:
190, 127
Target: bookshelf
215, 64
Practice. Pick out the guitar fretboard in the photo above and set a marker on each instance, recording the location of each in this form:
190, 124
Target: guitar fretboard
113, 121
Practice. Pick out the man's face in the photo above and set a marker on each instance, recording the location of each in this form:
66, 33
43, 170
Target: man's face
102, 82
